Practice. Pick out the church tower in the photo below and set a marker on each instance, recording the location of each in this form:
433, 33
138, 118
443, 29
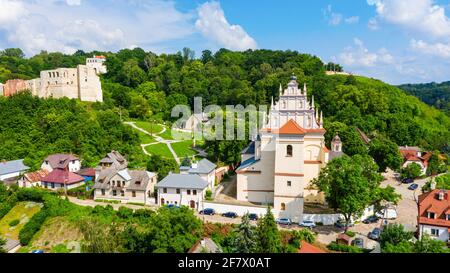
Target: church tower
336, 144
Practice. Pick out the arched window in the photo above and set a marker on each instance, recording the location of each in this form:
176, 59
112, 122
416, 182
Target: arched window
289, 150
283, 206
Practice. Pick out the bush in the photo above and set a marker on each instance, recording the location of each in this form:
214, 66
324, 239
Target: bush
14, 222
344, 248
33, 226
208, 195
350, 233
61, 248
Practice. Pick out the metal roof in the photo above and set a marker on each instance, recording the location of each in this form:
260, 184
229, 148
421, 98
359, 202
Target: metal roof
203, 166
184, 181
12, 167
247, 163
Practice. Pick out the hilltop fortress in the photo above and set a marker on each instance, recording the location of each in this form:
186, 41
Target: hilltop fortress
81, 82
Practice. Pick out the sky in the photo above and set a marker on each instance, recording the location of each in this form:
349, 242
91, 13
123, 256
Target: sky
397, 41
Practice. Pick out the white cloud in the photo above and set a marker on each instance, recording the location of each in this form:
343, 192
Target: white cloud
359, 56
73, 2
421, 15
334, 18
214, 26
436, 49
352, 20
373, 24
11, 10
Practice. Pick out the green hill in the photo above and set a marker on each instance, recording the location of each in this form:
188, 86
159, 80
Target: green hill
434, 94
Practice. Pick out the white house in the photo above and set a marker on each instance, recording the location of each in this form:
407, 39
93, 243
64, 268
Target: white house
12, 169
205, 169
434, 215
33, 179
182, 190
61, 161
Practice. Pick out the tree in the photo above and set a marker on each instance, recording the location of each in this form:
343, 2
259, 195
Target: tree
2, 245
428, 245
412, 171
100, 238
394, 234
13, 52
245, 240
162, 166
350, 184
186, 161
269, 238
436, 165
386, 154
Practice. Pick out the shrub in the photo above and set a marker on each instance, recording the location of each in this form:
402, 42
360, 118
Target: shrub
33, 226
61, 248
344, 248
14, 222
208, 195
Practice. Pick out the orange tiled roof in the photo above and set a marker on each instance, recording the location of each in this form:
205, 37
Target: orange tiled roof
309, 248
429, 202
291, 128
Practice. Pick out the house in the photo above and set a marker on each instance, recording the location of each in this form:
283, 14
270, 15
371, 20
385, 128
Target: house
415, 155
434, 215
87, 173
306, 247
62, 179
33, 179
12, 169
287, 155
220, 173
182, 190
195, 122
205, 169
62, 161
114, 181
205, 245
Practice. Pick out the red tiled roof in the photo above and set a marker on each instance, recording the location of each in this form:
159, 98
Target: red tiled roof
60, 176
309, 248
429, 202
291, 128
326, 150
36, 176
87, 172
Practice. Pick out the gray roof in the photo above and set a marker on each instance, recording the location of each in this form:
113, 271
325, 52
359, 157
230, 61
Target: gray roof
138, 179
116, 159
250, 149
247, 163
203, 166
14, 166
183, 181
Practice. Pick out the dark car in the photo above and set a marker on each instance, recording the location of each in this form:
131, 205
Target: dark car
375, 234
358, 242
253, 217
229, 214
208, 212
407, 180
371, 219
342, 224
413, 187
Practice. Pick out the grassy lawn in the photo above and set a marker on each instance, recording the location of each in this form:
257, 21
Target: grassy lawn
145, 139
22, 212
168, 135
159, 149
149, 127
183, 148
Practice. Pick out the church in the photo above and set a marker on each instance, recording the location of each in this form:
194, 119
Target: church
288, 153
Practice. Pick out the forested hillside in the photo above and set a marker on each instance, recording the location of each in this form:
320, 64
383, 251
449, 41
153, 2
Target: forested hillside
434, 94
144, 86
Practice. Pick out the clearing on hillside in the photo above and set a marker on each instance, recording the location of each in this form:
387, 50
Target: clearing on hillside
22, 212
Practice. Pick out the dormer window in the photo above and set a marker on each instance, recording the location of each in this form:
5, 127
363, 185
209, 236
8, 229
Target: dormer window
431, 215
448, 217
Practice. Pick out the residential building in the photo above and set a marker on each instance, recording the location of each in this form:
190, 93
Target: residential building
33, 179
62, 178
306, 247
194, 122
205, 169
62, 161
415, 155
205, 245
182, 190
114, 181
82, 82
289, 152
12, 169
434, 215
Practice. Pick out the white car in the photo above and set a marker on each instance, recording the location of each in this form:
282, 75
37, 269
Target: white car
307, 223
390, 214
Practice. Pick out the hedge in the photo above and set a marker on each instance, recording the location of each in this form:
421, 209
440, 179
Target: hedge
344, 248
33, 226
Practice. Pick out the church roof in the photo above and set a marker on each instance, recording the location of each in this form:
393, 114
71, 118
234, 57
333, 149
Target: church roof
291, 128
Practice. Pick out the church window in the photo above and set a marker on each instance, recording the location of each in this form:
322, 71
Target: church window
283, 206
289, 151
284, 104
289, 183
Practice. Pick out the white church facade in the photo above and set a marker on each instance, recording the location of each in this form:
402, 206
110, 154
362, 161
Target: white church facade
289, 152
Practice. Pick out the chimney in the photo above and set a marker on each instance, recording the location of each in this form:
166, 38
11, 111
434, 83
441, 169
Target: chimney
194, 165
442, 195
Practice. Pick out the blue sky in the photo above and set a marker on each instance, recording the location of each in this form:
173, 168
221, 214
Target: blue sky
398, 41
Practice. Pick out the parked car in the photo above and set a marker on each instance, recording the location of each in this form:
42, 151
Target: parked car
371, 219
358, 242
230, 214
284, 221
391, 214
208, 212
171, 206
342, 224
37, 251
413, 187
253, 216
307, 223
407, 180
375, 234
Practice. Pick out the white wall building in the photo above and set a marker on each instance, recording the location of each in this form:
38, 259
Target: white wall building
205, 169
61, 161
182, 190
288, 153
12, 169
434, 215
